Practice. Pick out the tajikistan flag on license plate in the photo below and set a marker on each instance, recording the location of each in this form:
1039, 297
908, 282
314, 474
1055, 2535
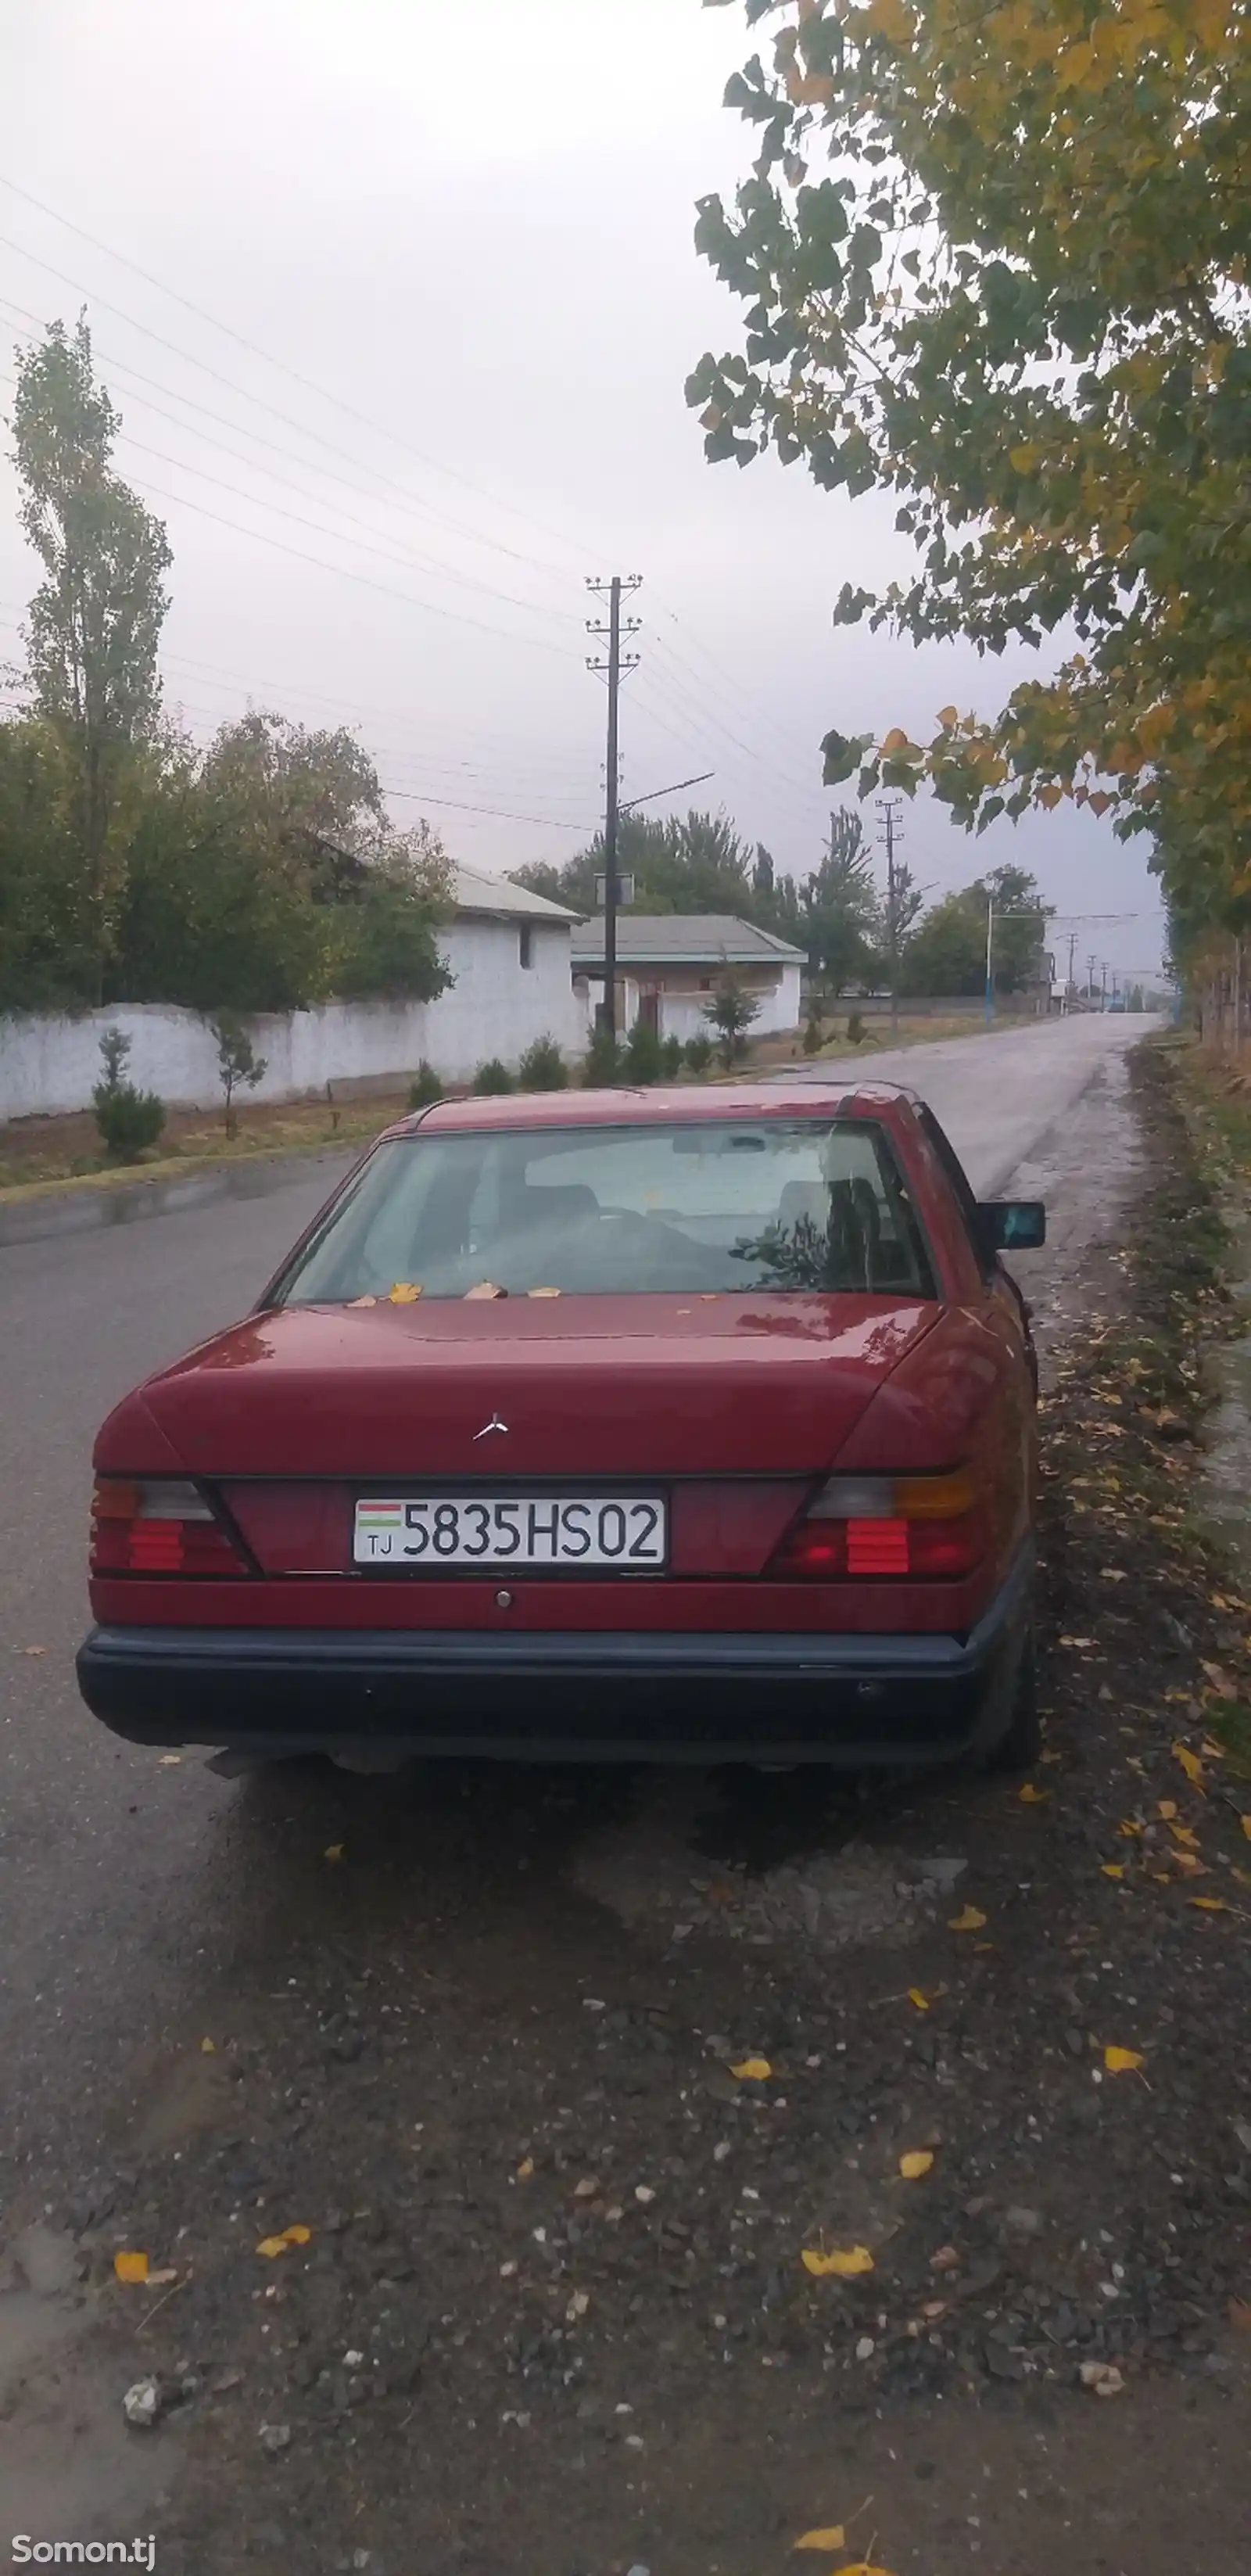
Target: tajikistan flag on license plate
379, 1516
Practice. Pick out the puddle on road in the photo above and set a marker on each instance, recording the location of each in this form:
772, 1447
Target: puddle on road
655, 1874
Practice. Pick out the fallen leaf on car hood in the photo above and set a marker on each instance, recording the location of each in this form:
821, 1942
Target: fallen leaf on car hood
405, 1293
1032, 1797
752, 2070
968, 1921
131, 2267
1191, 1765
1122, 2061
913, 2165
833, 2538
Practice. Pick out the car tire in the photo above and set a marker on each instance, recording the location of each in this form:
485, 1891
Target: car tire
1018, 1748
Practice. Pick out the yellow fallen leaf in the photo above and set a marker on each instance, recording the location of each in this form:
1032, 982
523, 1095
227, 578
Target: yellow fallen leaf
1245, 1822
1223, 1683
131, 2267
1167, 1808
208, 2048
272, 2246
752, 2070
1191, 1765
916, 2163
333, 1851
846, 2263
834, 2538
1122, 2061
1112, 1868
405, 1293
968, 1921
862, 2568
525, 2169
922, 2001
1210, 1904
1184, 1834
1129, 1826
1032, 1797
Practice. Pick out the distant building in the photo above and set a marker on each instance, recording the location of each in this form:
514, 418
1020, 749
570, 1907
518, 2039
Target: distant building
670, 964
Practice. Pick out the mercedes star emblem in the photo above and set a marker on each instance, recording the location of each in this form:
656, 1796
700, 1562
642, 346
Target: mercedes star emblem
494, 1424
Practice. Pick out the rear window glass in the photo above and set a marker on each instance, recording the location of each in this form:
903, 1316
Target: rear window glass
779, 1204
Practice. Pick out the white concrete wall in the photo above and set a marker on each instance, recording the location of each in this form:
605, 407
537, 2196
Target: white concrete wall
495, 1007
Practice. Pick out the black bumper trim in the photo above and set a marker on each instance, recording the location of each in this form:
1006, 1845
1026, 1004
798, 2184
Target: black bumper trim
633, 1695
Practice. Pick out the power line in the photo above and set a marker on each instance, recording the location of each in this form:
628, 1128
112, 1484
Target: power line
379, 428
246, 395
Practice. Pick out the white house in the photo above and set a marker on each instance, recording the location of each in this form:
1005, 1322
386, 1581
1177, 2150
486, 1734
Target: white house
670, 964
507, 950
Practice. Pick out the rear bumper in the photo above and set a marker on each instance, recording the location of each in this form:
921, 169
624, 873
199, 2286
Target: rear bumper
552, 1696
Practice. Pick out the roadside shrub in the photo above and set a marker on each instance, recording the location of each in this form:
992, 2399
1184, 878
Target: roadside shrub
601, 1065
856, 1030
425, 1087
699, 1054
731, 1013
129, 1120
672, 1057
643, 1060
492, 1078
542, 1067
813, 1035
237, 1062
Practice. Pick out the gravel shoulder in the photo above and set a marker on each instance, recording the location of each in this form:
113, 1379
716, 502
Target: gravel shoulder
478, 2034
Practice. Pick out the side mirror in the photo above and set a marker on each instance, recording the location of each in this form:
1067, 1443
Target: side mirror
1012, 1225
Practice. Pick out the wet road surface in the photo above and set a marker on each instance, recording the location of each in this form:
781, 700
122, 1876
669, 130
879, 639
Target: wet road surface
120, 1877
141, 1900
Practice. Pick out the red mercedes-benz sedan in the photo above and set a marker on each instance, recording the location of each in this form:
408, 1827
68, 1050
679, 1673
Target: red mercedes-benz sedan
668, 1425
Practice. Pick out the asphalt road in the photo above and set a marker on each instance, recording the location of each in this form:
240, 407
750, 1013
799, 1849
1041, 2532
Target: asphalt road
121, 1877
144, 1901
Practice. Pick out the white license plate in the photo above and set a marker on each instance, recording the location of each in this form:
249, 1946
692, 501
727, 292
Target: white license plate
627, 1531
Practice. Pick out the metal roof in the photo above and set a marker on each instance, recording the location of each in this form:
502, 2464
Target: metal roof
500, 899
683, 939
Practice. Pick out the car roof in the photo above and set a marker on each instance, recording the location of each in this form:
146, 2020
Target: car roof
661, 1106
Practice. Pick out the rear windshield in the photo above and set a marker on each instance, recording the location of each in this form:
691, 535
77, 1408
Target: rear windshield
712, 1206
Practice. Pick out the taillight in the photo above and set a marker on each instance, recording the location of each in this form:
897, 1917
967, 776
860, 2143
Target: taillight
149, 1525
893, 1527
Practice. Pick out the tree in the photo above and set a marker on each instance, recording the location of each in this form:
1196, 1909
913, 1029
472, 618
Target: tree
96, 618
237, 1062
946, 953
693, 864
47, 954
731, 1012
996, 260
839, 913
265, 874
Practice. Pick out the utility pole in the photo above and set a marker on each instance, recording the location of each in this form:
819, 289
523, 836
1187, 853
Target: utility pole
1103, 986
1090, 979
1072, 949
889, 809
612, 670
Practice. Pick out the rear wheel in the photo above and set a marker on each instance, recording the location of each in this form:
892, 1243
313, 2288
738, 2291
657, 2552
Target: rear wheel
1018, 1748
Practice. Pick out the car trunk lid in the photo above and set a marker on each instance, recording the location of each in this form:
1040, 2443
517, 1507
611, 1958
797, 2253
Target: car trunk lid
757, 1384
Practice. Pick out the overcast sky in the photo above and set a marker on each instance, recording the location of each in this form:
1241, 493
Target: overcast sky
440, 301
